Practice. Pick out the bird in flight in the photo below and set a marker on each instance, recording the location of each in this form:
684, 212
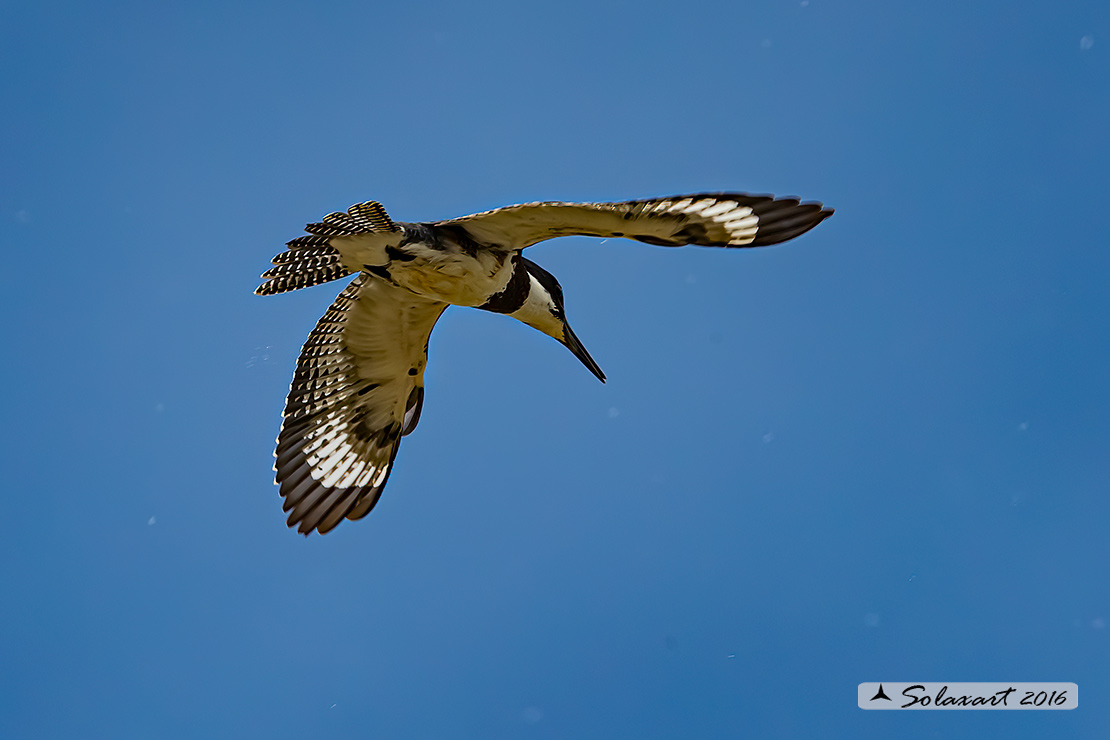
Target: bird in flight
359, 383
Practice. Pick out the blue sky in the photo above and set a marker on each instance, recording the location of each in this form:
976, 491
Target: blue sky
876, 453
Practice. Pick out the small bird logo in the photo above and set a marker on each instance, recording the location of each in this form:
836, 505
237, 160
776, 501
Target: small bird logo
359, 383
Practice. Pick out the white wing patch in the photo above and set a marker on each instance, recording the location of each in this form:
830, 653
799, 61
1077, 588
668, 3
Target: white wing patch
738, 221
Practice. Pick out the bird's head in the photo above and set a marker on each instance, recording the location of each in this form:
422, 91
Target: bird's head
543, 310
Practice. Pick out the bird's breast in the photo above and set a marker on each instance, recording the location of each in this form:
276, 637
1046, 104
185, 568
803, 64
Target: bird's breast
452, 277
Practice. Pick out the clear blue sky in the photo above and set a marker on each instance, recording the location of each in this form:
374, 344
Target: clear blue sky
880, 452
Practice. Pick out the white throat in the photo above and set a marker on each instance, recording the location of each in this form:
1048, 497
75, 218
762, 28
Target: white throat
536, 311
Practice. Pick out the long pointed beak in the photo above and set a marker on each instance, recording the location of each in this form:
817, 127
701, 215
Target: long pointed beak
571, 342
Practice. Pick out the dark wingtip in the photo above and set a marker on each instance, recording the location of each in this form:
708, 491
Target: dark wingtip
783, 219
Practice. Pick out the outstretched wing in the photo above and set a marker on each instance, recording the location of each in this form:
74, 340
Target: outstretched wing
358, 388
705, 219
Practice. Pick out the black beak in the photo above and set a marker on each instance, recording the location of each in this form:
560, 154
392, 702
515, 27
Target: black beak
571, 342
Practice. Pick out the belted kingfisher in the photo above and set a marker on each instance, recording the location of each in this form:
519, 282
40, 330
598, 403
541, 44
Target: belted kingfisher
359, 383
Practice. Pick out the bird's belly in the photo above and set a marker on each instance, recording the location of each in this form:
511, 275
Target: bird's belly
457, 279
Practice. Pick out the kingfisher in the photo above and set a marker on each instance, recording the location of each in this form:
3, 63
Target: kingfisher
359, 383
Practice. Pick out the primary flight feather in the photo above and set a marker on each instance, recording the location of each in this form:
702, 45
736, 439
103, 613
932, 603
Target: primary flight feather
359, 383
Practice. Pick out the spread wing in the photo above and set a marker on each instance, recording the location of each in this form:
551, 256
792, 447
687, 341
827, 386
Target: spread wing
358, 388
705, 219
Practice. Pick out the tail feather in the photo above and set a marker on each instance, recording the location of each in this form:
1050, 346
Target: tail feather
311, 260
301, 254
302, 267
294, 275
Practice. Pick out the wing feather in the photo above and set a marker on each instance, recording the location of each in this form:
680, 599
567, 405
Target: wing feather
705, 219
350, 401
